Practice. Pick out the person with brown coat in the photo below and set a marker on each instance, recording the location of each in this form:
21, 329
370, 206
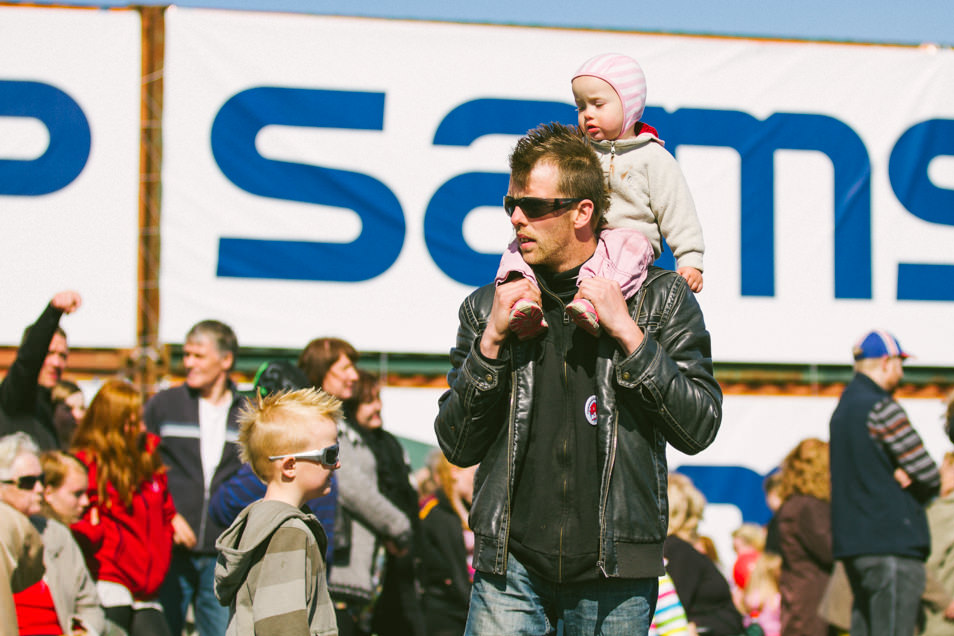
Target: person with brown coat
804, 529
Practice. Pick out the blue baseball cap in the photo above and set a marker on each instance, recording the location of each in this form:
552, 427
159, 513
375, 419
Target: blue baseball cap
878, 344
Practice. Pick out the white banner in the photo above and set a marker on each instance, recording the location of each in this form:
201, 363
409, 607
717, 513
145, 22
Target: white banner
757, 433
772, 424
320, 172
69, 169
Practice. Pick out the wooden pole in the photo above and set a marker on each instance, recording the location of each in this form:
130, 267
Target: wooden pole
149, 360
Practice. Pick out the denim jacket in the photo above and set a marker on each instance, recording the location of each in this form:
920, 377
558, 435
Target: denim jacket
664, 392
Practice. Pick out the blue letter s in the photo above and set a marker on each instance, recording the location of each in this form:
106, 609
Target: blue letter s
233, 146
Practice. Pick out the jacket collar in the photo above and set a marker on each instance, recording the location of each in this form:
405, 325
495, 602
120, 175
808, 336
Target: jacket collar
645, 135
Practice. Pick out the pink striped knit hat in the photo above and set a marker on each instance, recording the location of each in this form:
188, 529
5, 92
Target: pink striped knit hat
626, 77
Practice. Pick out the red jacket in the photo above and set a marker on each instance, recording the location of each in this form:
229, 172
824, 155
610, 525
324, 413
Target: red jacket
131, 546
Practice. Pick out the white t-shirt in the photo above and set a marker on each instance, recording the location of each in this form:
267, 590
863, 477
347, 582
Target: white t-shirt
118, 595
213, 420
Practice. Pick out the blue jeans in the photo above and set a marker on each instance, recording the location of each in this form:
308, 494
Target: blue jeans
190, 580
522, 603
887, 592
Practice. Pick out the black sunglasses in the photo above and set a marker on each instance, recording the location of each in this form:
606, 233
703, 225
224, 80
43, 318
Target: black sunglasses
535, 207
327, 456
27, 482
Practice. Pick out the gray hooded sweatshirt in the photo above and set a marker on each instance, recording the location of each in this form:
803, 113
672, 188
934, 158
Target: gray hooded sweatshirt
271, 573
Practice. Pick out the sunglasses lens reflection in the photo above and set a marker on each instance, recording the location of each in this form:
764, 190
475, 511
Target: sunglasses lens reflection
532, 207
535, 207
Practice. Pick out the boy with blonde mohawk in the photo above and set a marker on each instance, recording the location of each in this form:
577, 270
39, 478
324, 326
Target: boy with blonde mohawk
270, 570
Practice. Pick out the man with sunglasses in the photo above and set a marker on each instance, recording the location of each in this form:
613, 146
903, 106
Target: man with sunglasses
25, 402
570, 431
881, 479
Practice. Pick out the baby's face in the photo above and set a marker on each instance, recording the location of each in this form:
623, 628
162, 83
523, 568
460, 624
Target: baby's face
599, 107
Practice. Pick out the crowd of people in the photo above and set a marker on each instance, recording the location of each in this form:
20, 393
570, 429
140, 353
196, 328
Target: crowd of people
549, 507
129, 500
121, 492
785, 577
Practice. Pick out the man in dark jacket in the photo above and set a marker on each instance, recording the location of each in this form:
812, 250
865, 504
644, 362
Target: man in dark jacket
881, 478
198, 427
25, 403
570, 430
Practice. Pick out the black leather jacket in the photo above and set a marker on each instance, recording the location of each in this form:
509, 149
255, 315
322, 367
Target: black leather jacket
663, 392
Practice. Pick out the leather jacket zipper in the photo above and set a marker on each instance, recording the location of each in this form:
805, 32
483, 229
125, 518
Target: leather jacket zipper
511, 458
604, 495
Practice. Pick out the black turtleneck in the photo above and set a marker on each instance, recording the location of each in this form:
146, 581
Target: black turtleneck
554, 524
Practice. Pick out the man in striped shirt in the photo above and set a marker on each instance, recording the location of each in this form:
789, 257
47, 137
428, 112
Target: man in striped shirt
881, 479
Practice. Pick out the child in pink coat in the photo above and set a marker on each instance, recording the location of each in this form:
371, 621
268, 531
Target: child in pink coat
649, 197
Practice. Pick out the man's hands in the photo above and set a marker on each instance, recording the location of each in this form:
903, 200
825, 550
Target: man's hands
613, 311
498, 325
67, 301
605, 295
182, 533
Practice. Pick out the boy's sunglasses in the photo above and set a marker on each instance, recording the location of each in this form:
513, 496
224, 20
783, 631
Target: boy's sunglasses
27, 482
535, 207
327, 456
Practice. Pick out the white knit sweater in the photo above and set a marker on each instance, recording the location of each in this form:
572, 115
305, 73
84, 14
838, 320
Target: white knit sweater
649, 193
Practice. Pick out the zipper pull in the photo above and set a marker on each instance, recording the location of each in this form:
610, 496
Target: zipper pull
612, 166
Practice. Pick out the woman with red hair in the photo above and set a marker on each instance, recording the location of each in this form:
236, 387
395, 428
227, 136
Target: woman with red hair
127, 530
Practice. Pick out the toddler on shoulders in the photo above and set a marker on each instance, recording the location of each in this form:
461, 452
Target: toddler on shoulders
649, 197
